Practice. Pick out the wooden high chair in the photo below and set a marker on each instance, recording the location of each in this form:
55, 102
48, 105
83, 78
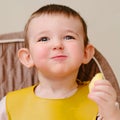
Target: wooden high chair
13, 75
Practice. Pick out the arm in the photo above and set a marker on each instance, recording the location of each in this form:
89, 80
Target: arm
3, 115
105, 96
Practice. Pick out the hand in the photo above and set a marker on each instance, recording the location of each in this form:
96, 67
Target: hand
105, 96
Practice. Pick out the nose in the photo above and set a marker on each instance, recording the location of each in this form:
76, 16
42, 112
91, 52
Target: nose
58, 45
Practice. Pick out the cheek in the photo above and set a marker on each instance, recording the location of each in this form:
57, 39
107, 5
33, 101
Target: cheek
39, 54
78, 53
77, 49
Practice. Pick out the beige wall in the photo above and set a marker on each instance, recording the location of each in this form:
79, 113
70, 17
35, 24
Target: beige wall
102, 17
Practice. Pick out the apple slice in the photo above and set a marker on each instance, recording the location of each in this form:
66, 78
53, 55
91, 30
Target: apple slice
98, 76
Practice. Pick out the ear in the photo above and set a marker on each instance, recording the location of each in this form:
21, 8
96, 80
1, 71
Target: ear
88, 53
25, 57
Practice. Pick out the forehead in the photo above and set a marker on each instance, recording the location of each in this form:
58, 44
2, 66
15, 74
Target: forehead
55, 21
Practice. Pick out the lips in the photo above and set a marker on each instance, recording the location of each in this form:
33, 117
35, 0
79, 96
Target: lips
59, 57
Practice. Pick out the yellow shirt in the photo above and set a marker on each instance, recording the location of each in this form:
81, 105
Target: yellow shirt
25, 105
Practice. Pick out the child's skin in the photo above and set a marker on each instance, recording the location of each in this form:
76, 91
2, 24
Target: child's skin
56, 49
105, 96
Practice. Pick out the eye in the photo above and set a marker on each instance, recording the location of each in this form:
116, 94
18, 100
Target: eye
43, 39
68, 37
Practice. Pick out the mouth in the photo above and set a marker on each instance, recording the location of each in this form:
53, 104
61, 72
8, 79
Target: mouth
59, 57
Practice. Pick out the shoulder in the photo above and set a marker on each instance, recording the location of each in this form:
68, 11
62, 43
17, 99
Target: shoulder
19, 94
21, 91
19, 98
84, 88
2, 104
3, 114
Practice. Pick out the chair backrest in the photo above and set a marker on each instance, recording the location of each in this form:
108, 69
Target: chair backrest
13, 75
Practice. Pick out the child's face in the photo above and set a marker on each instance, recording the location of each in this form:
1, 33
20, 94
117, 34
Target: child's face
56, 44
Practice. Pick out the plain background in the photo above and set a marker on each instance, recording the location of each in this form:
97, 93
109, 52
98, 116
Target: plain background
101, 16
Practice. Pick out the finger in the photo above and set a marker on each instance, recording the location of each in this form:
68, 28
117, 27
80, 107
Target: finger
103, 82
102, 101
105, 90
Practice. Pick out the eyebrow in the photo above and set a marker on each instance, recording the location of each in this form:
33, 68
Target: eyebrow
65, 31
70, 31
40, 33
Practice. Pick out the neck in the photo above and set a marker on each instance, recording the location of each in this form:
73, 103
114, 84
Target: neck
56, 87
